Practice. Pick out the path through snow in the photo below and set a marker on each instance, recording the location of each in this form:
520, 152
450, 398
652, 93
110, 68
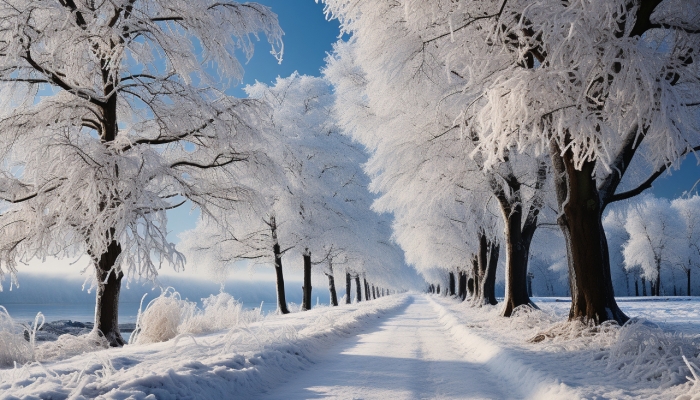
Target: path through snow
408, 356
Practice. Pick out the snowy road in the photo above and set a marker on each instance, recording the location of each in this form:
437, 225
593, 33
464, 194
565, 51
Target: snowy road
407, 356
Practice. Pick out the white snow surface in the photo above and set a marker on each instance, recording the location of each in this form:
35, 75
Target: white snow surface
406, 346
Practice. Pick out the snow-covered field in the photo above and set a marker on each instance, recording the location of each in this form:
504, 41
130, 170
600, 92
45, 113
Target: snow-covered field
402, 346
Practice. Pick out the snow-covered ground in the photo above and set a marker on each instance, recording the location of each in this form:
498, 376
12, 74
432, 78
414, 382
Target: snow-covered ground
402, 346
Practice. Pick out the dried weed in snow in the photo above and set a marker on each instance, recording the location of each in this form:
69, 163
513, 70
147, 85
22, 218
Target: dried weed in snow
643, 351
168, 316
14, 346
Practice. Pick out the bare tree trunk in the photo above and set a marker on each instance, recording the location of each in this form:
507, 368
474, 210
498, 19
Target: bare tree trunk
438, 288
109, 283
348, 280
580, 219
480, 270
462, 285
358, 289
687, 272
374, 293
488, 288
366, 285
644, 286
281, 298
476, 291
306, 289
636, 287
518, 242
657, 285
452, 283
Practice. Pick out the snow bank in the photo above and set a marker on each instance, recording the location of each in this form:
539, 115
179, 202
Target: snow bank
238, 363
551, 358
518, 373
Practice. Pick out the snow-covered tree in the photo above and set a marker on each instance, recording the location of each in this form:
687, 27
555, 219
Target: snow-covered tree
653, 228
110, 116
600, 85
401, 95
688, 209
314, 203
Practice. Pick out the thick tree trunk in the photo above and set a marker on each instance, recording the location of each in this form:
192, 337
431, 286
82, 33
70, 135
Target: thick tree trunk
580, 219
306, 289
480, 270
488, 288
452, 283
438, 288
644, 287
374, 293
476, 289
358, 289
518, 242
462, 285
366, 285
331, 285
109, 284
281, 297
636, 287
348, 280
331, 288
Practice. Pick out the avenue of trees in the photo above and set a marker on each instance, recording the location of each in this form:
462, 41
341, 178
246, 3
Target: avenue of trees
451, 136
114, 112
550, 109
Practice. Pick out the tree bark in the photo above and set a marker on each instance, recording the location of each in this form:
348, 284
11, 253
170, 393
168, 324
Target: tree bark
480, 270
374, 293
452, 283
644, 287
366, 285
331, 288
109, 283
331, 285
306, 289
580, 219
438, 288
518, 242
358, 289
462, 285
488, 288
348, 280
476, 289
281, 297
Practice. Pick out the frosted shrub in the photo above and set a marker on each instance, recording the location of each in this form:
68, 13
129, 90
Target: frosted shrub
528, 317
220, 311
161, 319
694, 392
70, 345
14, 347
576, 335
169, 316
643, 351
